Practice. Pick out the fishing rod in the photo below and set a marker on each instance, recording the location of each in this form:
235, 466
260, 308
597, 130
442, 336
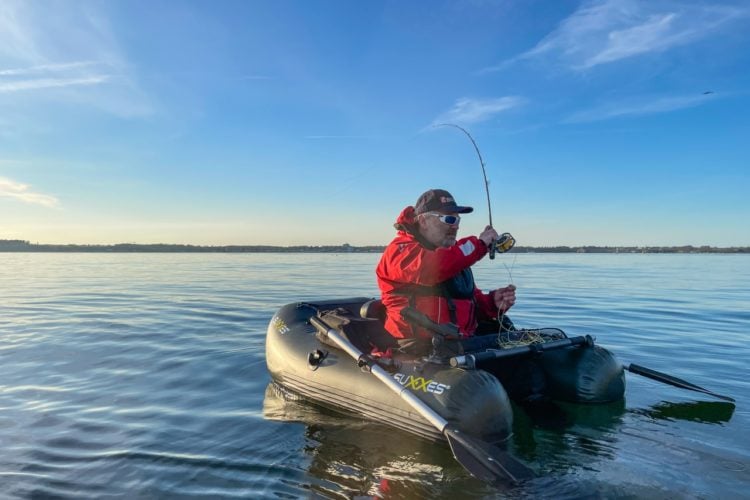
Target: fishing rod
505, 242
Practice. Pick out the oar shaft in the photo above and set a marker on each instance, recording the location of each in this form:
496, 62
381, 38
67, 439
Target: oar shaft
669, 379
475, 360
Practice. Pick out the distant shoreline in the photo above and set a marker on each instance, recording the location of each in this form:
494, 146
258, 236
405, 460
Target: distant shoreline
25, 246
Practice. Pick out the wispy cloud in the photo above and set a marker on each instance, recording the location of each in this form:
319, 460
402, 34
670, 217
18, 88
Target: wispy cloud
466, 110
326, 137
643, 107
605, 31
47, 48
47, 76
43, 83
22, 192
46, 68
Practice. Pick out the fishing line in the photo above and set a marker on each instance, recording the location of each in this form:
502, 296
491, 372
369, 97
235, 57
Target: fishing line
501, 315
510, 271
481, 162
505, 241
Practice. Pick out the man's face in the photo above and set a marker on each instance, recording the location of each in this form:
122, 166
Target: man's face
439, 228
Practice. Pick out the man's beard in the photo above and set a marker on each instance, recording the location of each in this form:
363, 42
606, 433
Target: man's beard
449, 241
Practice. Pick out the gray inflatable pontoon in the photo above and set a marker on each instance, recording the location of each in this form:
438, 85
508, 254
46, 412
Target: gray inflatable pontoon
473, 399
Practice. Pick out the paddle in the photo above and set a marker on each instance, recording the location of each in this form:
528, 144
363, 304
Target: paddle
482, 460
668, 379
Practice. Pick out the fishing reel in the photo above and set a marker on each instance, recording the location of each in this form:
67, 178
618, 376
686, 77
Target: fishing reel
502, 244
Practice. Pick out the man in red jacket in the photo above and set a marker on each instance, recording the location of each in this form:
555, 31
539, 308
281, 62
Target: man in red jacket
427, 268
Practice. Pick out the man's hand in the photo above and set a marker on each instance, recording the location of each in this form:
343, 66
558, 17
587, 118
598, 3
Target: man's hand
504, 298
488, 236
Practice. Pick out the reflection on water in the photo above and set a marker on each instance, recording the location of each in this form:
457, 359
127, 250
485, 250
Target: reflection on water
590, 432
359, 457
707, 412
364, 458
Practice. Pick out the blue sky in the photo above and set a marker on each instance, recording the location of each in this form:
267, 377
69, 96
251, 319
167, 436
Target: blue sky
612, 122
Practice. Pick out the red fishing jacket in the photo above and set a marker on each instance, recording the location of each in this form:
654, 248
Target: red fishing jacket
437, 282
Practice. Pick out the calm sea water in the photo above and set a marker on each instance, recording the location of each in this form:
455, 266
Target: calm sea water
143, 376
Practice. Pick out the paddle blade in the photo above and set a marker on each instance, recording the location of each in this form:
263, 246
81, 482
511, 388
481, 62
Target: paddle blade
668, 379
485, 461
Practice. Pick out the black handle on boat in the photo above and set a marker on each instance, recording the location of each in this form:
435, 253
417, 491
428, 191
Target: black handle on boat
472, 361
669, 379
447, 330
331, 334
481, 459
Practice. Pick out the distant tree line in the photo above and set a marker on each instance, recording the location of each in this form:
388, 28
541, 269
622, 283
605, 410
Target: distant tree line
25, 246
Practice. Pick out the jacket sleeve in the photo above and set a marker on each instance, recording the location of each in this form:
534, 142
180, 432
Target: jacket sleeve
412, 263
486, 307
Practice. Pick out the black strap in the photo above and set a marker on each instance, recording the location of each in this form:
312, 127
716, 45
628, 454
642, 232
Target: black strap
452, 310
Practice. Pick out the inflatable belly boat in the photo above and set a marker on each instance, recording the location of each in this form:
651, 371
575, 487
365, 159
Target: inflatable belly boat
469, 390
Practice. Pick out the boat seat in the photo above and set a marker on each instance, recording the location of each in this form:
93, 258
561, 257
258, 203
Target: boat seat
365, 333
373, 309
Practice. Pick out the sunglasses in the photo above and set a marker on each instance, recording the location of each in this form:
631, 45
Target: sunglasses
451, 220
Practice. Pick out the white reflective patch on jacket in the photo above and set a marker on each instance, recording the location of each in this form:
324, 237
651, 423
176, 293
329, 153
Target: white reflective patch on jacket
467, 248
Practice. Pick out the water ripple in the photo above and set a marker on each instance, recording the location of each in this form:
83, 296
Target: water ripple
144, 376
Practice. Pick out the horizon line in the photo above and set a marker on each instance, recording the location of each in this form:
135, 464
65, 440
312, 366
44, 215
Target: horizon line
9, 244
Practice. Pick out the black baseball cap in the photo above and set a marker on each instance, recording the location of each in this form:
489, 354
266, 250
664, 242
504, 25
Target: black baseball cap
438, 200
